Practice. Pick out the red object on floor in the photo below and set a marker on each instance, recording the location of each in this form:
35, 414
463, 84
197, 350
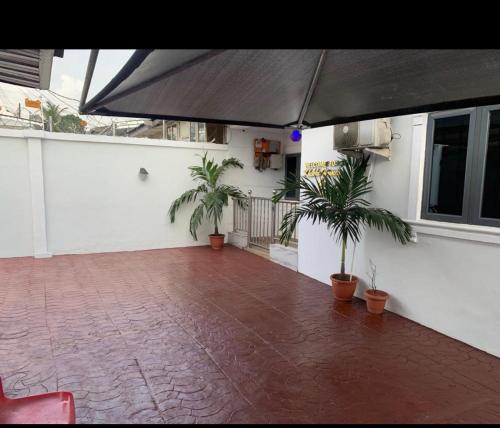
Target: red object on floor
50, 408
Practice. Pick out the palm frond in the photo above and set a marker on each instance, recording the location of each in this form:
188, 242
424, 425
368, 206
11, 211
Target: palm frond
214, 204
235, 193
228, 163
186, 197
381, 218
339, 201
201, 172
196, 219
289, 184
292, 217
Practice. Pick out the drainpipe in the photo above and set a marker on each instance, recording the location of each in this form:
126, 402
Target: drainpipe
249, 218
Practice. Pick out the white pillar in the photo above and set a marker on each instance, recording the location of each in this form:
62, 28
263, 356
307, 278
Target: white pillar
37, 198
419, 132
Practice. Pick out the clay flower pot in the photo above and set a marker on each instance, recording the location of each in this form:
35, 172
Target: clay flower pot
216, 241
375, 301
343, 289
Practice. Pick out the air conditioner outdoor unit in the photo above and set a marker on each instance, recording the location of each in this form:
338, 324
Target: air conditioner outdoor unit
366, 134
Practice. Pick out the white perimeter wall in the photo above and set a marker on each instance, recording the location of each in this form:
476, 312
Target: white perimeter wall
448, 284
93, 198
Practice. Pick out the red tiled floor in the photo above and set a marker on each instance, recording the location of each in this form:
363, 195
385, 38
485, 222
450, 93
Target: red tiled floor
195, 335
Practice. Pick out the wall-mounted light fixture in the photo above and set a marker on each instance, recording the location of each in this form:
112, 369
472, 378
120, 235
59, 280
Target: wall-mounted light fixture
143, 174
296, 135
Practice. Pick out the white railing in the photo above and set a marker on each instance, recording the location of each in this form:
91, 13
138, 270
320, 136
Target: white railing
261, 220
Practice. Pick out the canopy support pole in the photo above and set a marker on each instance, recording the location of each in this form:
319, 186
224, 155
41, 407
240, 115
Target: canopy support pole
311, 89
88, 76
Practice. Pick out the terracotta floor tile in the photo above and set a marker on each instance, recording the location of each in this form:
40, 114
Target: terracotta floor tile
191, 335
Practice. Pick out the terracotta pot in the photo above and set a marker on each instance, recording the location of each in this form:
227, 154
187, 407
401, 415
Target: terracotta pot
375, 301
343, 289
216, 241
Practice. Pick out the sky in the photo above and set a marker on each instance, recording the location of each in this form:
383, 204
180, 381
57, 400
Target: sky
68, 75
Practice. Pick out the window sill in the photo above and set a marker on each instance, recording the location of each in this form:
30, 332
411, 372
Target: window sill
490, 235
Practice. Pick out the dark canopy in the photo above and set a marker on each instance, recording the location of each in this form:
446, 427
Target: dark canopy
278, 88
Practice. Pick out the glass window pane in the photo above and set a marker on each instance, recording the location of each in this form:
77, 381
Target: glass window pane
449, 156
201, 132
491, 183
192, 131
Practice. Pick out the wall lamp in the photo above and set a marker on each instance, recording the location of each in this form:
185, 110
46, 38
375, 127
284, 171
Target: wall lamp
143, 173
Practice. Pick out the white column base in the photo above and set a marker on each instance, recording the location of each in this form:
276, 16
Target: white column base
238, 239
43, 255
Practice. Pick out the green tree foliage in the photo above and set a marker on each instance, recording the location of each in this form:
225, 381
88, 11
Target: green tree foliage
71, 123
54, 112
61, 123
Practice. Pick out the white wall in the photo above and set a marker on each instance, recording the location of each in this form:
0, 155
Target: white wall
240, 141
261, 183
450, 285
83, 194
16, 234
96, 201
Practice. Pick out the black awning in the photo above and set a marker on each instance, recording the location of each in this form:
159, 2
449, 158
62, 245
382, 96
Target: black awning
271, 87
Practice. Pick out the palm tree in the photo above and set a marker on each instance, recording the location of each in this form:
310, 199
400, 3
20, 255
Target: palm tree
213, 197
338, 200
54, 111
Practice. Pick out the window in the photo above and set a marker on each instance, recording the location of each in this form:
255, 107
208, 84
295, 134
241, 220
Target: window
192, 131
292, 170
202, 132
216, 133
462, 167
172, 132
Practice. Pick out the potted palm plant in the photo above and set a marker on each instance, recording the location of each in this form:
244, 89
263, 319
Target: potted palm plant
375, 299
338, 201
212, 197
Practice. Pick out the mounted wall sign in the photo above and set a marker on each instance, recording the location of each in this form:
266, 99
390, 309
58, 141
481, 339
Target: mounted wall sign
319, 168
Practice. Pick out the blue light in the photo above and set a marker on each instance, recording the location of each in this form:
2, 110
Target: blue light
295, 135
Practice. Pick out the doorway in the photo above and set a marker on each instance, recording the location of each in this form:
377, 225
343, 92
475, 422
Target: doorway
292, 170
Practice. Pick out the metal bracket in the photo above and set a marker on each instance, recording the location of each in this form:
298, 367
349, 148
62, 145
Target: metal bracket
311, 89
88, 77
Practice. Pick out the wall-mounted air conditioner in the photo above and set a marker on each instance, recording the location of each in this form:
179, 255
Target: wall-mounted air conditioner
366, 134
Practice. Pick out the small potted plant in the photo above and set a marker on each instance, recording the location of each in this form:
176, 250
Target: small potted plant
375, 299
212, 197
